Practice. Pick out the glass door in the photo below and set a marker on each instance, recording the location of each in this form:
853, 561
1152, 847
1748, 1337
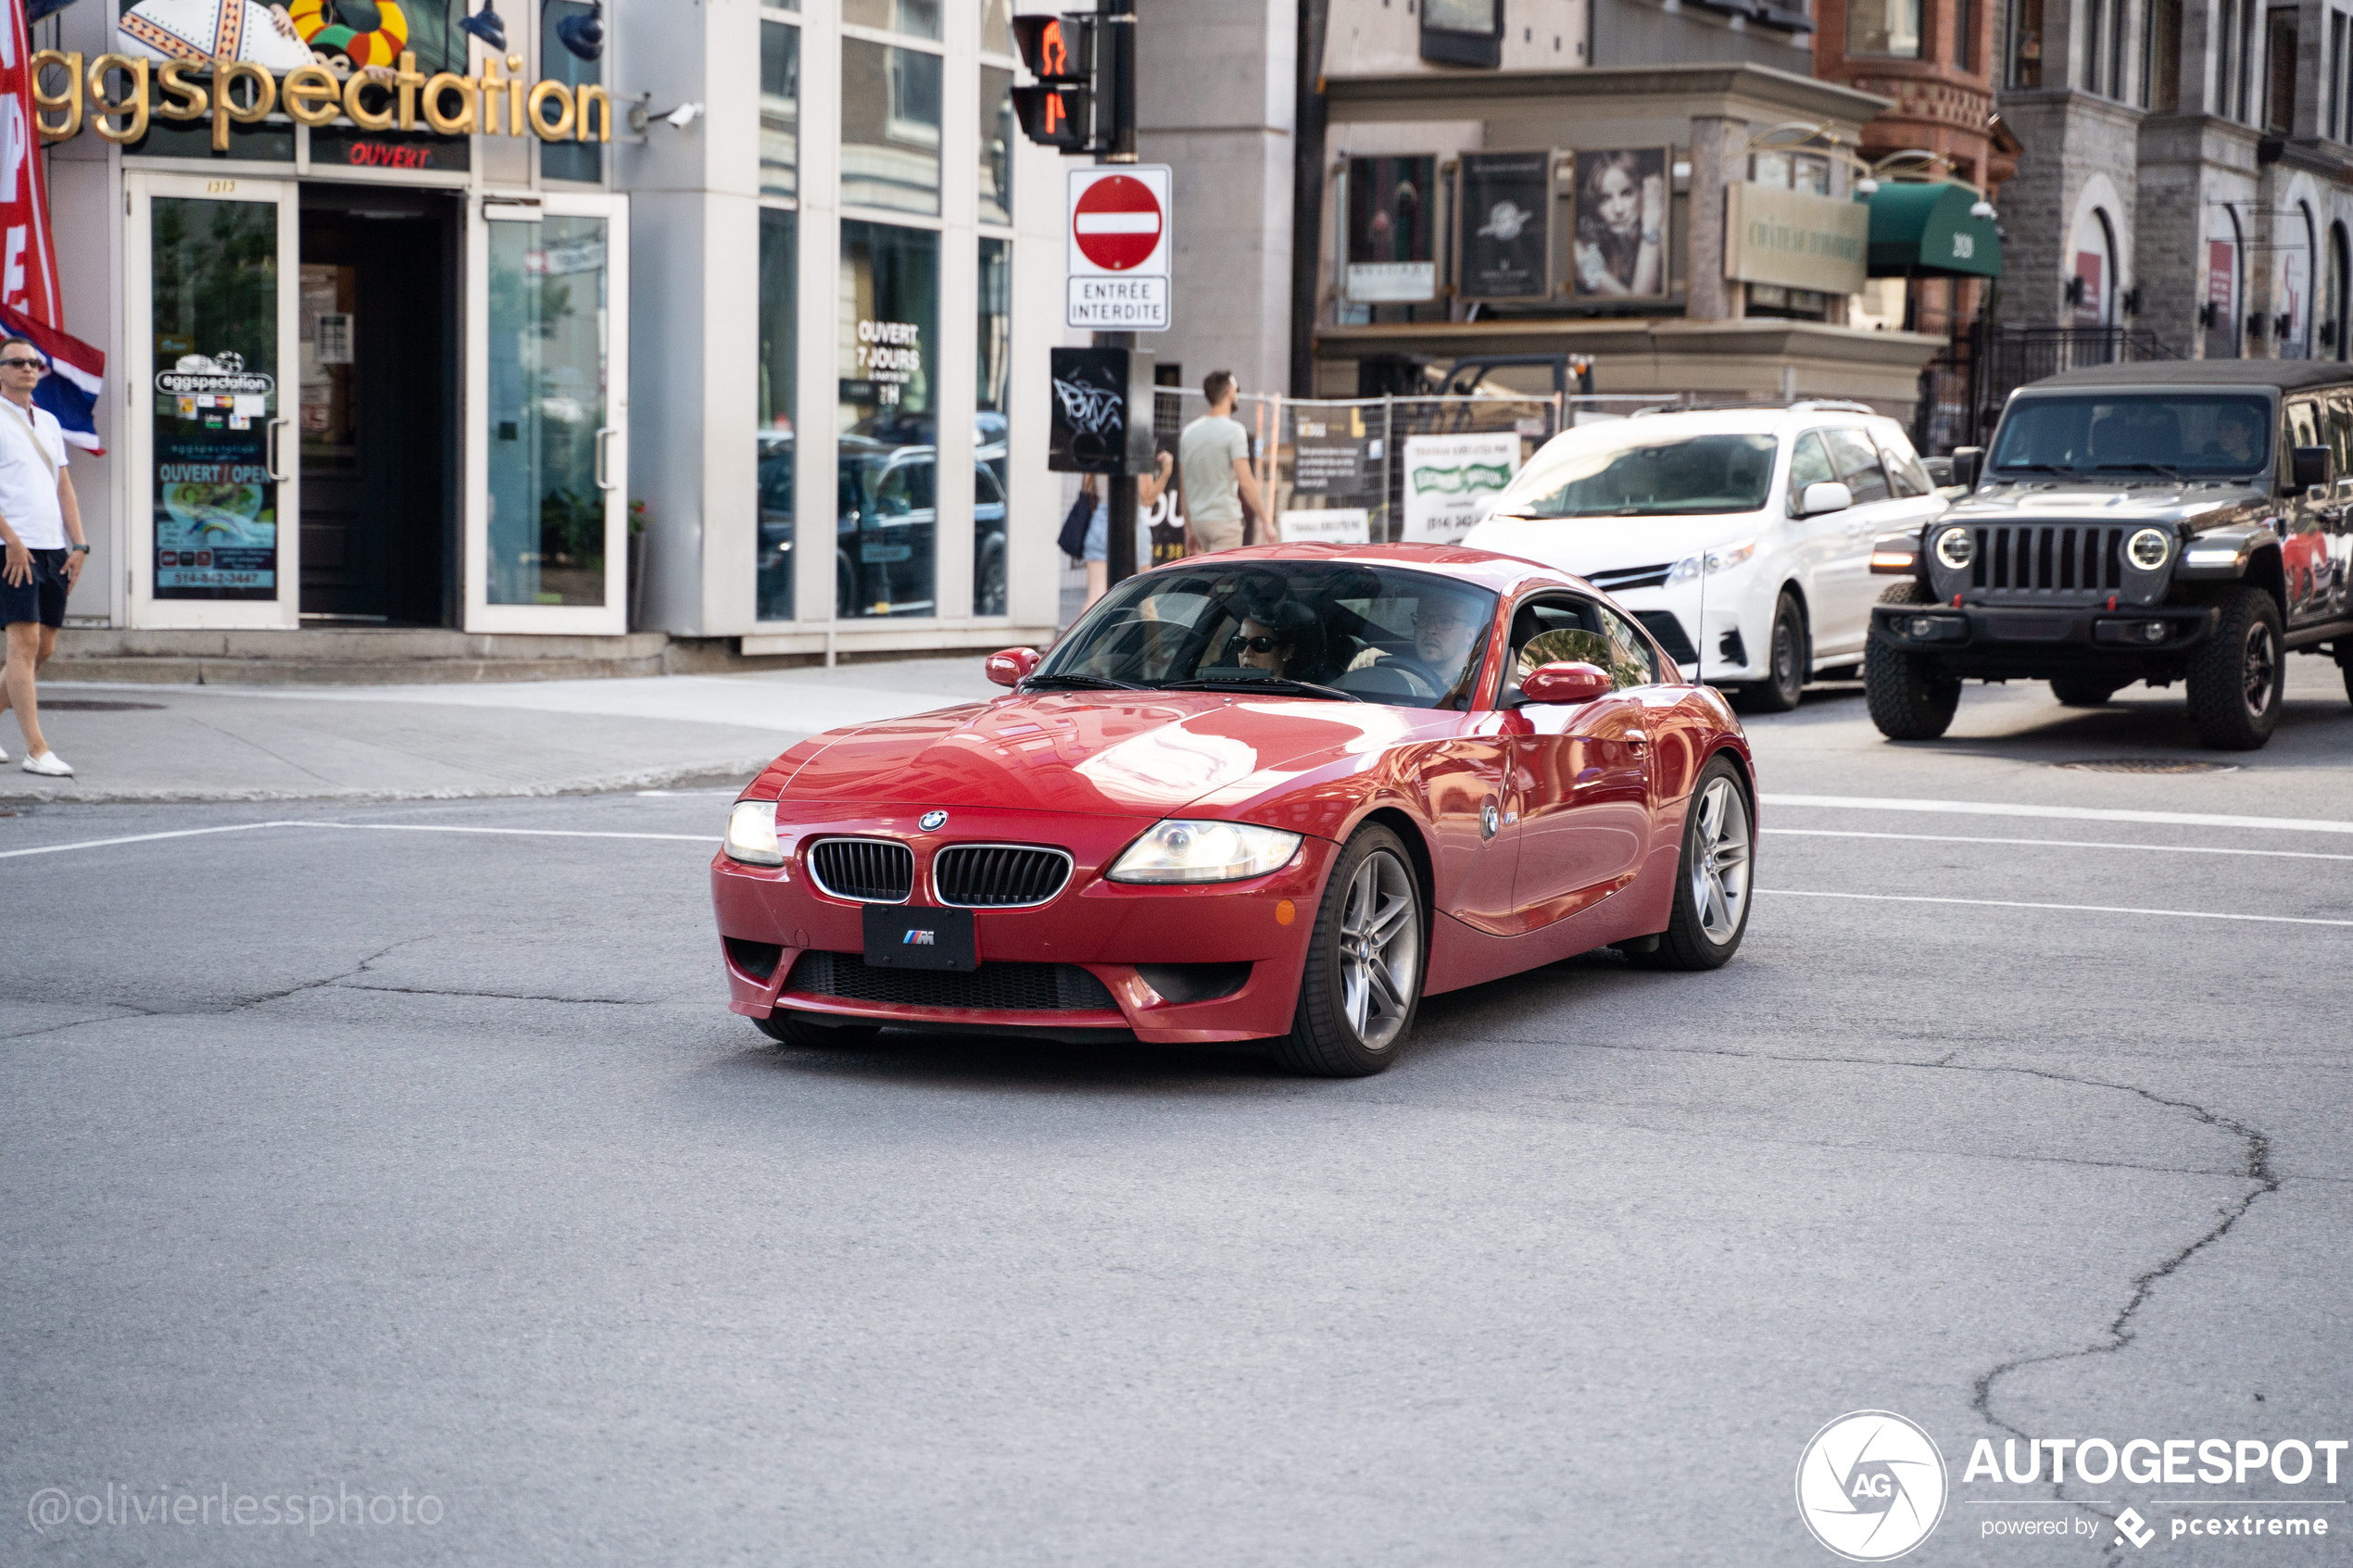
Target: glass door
547, 519
212, 273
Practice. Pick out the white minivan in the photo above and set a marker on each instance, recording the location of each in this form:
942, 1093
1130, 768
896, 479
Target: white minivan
1742, 538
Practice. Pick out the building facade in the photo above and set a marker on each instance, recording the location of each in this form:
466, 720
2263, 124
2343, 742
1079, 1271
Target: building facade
735, 330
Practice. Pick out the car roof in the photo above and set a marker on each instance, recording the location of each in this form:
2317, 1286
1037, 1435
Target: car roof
2287, 375
1773, 420
1501, 573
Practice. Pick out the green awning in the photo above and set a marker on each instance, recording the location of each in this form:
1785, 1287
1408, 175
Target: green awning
1925, 230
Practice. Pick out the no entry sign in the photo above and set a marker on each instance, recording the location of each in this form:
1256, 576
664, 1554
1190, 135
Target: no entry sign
1120, 237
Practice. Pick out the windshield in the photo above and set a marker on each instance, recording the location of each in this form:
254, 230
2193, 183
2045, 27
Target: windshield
1628, 468
2170, 435
1377, 634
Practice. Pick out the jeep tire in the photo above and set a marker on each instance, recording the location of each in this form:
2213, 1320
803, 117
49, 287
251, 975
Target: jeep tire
2238, 676
1909, 698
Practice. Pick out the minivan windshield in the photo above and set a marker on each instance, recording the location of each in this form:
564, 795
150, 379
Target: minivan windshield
1628, 469
2168, 435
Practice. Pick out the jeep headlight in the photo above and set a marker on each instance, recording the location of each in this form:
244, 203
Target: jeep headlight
2148, 548
751, 833
1955, 549
1181, 850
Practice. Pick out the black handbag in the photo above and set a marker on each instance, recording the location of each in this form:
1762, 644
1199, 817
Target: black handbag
1073, 538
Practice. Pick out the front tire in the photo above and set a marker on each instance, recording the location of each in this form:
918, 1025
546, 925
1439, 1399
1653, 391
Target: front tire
792, 1029
2239, 677
1787, 658
1711, 878
2083, 691
1366, 955
1909, 698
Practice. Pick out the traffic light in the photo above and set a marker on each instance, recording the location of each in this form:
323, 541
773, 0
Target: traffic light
1059, 111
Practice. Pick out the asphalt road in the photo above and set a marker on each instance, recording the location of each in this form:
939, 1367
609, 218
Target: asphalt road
349, 1170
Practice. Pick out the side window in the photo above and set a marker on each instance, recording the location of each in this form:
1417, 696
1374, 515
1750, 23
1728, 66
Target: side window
2303, 430
2340, 438
1571, 630
1858, 465
1904, 474
1631, 662
1808, 464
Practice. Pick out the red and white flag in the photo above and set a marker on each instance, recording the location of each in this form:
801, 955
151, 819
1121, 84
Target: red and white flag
28, 258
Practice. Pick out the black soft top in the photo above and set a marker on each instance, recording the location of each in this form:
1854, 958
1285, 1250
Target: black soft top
2286, 375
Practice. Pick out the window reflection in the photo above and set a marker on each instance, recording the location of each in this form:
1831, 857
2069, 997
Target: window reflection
996, 145
994, 340
570, 160
889, 127
546, 409
916, 19
885, 516
779, 109
779, 292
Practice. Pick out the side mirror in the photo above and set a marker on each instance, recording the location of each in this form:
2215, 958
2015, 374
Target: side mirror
2314, 465
1825, 495
1564, 683
1010, 667
1966, 461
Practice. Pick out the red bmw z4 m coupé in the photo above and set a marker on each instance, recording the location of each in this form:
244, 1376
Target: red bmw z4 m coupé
1275, 794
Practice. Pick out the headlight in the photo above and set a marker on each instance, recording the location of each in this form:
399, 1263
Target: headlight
1177, 850
751, 833
2148, 548
1723, 559
1955, 549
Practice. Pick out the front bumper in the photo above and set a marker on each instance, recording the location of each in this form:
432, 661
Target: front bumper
1119, 934
2035, 641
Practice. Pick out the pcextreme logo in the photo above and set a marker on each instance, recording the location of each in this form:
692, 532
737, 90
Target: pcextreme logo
1871, 1485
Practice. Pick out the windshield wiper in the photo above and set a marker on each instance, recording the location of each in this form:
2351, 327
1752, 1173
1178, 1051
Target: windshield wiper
2040, 468
2172, 473
1079, 683
1271, 682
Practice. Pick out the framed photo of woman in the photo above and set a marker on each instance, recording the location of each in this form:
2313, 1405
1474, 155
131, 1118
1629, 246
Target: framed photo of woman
1617, 247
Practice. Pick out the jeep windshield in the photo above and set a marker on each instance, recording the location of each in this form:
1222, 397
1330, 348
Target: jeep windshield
1626, 469
2164, 435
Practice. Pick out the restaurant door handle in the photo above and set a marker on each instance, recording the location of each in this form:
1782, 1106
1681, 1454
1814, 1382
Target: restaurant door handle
270, 456
604, 463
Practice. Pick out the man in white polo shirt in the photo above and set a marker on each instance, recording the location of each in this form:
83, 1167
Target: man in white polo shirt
41, 526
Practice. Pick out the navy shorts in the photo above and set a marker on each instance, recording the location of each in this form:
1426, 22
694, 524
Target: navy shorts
44, 598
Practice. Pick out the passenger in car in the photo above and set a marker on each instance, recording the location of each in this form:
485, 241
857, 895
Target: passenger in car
1286, 640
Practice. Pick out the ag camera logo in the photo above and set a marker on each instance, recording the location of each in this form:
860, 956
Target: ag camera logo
1871, 1485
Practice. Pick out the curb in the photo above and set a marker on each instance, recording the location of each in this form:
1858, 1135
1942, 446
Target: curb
718, 773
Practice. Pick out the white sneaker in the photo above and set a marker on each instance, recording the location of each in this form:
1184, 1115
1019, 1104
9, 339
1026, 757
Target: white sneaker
50, 765
4, 754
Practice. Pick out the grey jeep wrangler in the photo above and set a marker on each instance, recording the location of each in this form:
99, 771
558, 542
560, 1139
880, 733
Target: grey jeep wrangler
2159, 522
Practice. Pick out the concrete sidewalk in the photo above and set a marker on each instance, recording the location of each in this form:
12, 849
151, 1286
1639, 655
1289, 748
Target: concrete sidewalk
186, 743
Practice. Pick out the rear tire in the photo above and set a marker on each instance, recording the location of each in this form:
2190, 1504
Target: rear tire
2239, 675
1909, 697
2083, 691
1788, 656
1712, 878
1366, 955
792, 1029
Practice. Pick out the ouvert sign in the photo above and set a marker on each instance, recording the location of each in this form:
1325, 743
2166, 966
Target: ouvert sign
1794, 239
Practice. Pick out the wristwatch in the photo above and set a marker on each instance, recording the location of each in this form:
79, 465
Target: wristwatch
78, 549
1650, 236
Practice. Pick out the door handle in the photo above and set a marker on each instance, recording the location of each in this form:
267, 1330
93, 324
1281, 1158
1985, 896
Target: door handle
604, 476
270, 451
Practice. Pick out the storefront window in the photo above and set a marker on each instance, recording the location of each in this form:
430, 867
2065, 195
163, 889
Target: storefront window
887, 521
916, 19
996, 145
568, 160
995, 342
546, 413
779, 297
889, 127
779, 109
216, 329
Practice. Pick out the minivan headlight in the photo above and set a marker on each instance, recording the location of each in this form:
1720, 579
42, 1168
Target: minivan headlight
751, 833
1182, 850
2148, 548
1722, 559
1955, 549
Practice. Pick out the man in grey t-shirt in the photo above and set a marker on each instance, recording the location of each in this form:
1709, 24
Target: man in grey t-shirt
1215, 451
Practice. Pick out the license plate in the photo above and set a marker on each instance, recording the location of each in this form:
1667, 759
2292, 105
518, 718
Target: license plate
908, 937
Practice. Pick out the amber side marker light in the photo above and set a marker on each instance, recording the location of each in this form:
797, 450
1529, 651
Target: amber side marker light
1284, 912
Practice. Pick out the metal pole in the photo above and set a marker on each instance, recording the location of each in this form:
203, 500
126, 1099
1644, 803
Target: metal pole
1116, 96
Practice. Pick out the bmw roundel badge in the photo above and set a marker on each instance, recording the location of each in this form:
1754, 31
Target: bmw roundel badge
931, 822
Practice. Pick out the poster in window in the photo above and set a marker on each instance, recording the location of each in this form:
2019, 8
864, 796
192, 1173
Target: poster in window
1619, 245
1391, 216
1505, 216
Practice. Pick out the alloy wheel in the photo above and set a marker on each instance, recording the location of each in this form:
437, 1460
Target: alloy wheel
1380, 949
1719, 860
2260, 667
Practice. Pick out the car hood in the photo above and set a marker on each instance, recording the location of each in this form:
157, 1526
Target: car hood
1098, 753
1584, 545
2075, 501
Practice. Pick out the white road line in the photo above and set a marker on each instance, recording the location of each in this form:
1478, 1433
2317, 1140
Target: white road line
2076, 908
2058, 813
356, 827
2059, 843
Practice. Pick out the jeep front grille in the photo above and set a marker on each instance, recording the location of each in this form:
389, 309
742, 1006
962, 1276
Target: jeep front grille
2044, 557
872, 871
998, 876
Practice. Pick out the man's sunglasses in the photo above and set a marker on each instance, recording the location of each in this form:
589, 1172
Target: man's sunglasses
23, 364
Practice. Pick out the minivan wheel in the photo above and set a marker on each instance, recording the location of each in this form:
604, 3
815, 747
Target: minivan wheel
1788, 655
2239, 675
